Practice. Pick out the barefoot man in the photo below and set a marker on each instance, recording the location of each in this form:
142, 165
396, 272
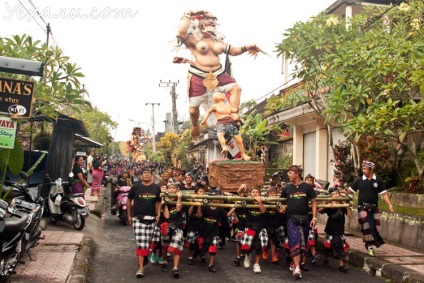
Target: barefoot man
197, 32
225, 124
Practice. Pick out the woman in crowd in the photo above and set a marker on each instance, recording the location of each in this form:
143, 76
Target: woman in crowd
78, 179
97, 176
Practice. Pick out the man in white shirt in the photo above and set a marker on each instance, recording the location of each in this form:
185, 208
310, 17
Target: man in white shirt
90, 167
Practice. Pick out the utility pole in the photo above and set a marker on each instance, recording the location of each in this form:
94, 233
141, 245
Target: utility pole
153, 124
174, 103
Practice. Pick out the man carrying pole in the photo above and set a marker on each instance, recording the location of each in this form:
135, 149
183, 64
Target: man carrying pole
298, 194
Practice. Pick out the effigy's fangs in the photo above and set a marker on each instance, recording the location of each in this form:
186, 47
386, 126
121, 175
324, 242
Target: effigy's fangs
228, 175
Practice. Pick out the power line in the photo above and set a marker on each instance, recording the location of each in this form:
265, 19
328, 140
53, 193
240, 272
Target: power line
32, 17
36, 10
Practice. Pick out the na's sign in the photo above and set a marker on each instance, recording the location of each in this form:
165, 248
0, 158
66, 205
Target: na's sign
16, 97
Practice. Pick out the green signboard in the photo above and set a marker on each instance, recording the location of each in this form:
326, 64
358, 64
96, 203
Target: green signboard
7, 132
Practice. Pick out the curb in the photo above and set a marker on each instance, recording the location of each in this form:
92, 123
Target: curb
81, 267
377, 267
99, 208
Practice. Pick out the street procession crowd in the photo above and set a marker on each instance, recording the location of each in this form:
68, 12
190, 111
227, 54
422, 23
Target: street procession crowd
164, 227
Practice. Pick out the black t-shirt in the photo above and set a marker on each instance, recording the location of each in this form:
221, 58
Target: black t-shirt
241, 215
145, 198
272, 219
193, 222
121, 183
175, 217
211, 219
254, 219
77, 169
368, 189
298, 197
335, 221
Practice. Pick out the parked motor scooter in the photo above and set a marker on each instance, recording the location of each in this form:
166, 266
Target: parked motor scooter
28, 200
121, 203
66, 206
12, 230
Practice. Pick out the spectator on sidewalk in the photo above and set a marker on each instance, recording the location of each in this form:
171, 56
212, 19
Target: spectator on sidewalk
78, 182
90, 167
370, 186
144, 214
97, 176
298, 194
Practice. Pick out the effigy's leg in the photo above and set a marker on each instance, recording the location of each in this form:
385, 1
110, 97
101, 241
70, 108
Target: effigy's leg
234, 100
222, 141
240, 145
194, 118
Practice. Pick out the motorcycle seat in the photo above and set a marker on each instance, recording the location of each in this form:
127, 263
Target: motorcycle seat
75, 195
14, 223
13, 193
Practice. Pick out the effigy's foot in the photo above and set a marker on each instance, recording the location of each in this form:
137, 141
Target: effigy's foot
224, 149
245, 157
195, 132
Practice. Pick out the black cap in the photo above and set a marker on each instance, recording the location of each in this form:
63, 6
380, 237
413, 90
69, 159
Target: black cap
144, 169
214, 192
333, 190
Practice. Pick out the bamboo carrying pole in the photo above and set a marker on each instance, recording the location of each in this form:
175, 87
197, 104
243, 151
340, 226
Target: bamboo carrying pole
239, 205
246, 199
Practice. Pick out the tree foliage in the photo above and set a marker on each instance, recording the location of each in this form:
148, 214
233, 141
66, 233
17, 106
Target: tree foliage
99, 124
364, 75
59, 87
255, 133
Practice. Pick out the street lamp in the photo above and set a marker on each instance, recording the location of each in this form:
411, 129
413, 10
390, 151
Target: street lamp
21, 66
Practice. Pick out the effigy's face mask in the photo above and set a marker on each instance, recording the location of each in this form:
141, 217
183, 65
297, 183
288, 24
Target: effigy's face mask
208, 24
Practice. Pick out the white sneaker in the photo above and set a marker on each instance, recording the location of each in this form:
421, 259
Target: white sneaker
246, 261
297, 273
256, 269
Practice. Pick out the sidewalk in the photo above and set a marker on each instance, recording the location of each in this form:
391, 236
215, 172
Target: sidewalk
59, 255
390, 262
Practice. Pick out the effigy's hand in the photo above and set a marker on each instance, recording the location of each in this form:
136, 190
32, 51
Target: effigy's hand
254, 50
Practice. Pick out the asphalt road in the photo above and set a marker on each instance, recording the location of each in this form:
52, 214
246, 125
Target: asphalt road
115, 261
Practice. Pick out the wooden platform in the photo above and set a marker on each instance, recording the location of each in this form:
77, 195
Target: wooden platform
228, 175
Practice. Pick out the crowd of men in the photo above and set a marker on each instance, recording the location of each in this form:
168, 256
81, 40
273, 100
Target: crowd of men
163, 228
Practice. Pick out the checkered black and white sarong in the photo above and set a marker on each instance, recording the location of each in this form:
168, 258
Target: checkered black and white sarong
143, 236
192, 237
249, 237
173, 241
